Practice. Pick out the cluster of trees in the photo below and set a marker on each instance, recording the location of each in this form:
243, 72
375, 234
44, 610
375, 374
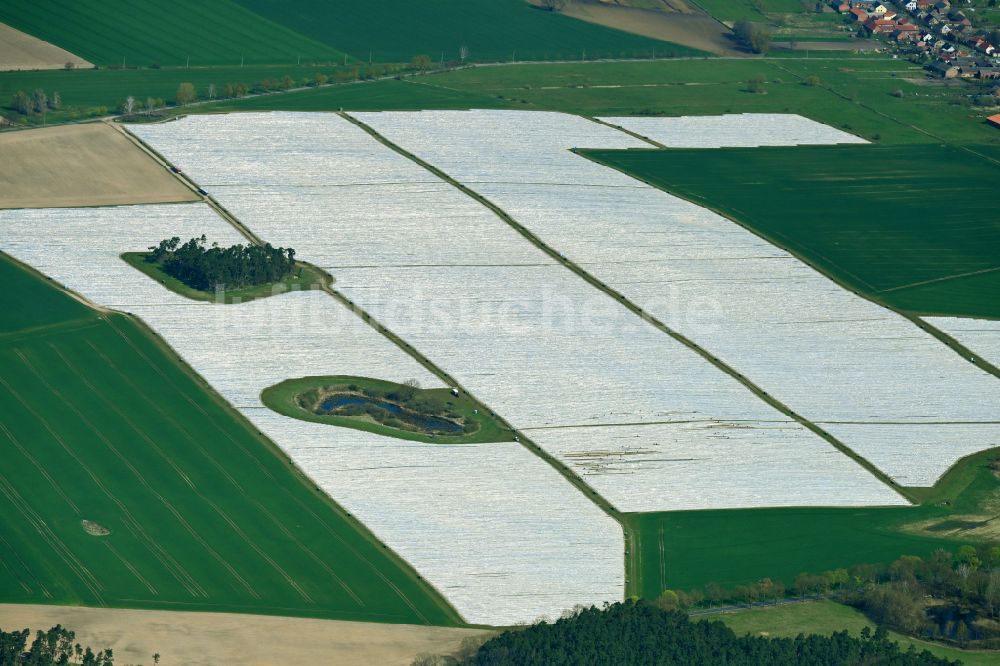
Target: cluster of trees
34, 106
627, 634
753, 36
130, 106
944, 596
55, 647
36, 102
210, 268
187, 92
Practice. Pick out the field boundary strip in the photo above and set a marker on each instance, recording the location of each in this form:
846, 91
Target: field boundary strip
638, 311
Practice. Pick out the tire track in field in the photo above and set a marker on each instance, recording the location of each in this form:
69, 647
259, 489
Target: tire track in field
194, 404
222, 514
215, 463
663, 559
371, 565
134, 526
24, 565
128, 565
44, 472
53, 541
163, 500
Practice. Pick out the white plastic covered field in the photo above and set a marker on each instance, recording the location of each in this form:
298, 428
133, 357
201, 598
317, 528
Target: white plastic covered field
734, 130
534, 341
493, 527
831, 356
982, 336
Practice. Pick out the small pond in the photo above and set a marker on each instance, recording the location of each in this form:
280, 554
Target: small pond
335, 405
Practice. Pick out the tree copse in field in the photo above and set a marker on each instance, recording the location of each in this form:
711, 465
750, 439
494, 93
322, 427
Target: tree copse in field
754, 36
236, 266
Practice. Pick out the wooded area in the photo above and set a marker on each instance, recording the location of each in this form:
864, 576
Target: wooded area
213, 267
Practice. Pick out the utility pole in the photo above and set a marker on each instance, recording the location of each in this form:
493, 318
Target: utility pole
241, 61
188, 66
123, 62
369, 56
298, 60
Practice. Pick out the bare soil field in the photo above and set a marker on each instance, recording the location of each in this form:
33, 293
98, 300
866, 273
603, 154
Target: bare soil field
19, 50
81, 165
675, 22
195, 639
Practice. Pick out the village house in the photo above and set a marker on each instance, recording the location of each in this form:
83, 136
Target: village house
880, 26
945, 70
994, 120
906, 32
859, 15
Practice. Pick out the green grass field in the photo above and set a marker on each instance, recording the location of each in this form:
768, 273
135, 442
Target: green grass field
491, 30
687, 549
826, 617
875, 217
100, 422
144, 32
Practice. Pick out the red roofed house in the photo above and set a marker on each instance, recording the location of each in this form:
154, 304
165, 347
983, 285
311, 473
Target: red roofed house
994, 120
906, 32
880, 26
859, 15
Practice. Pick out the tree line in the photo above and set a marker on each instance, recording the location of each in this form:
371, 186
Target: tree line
209, 268
945, 596
55, 647
641, 634
187, 92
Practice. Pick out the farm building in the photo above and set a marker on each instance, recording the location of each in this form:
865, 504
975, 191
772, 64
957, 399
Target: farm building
994, 120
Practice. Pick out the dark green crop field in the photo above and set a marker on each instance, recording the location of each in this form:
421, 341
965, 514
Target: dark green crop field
909, 225
144, 32
100, 423
491, 30
687, 549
